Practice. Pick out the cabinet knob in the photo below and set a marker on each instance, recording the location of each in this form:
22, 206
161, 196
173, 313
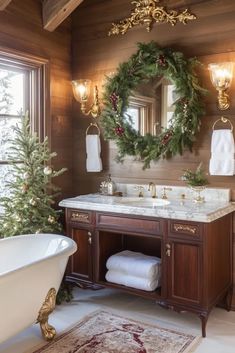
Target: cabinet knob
168, 250
89, 238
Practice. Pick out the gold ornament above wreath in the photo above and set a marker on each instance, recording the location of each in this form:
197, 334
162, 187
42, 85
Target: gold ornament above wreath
147, 12
148, 62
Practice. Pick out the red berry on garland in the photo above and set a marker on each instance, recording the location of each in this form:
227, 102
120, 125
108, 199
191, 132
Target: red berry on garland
166, 138
119, 130
161, 60
114, 100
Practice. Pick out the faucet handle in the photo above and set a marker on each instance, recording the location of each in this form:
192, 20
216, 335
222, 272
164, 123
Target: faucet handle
164, 195
140, 189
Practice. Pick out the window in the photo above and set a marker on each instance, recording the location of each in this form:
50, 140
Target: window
13, 98
140, 113
169, 97
23, 87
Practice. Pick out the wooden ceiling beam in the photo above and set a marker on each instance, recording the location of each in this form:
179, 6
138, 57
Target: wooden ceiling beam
55, 12
3, 4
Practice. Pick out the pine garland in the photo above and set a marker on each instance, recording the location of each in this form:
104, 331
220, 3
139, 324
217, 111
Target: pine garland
148, 62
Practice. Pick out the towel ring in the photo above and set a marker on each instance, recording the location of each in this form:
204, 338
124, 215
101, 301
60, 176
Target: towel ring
223, 120
95, 125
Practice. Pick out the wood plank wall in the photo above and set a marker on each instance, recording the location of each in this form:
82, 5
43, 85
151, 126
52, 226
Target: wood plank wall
21, 29
210, 38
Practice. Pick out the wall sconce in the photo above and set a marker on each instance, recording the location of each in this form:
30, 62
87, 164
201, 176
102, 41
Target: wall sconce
81, 91
221, 77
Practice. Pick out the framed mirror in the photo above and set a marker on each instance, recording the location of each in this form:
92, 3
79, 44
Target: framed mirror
153, 104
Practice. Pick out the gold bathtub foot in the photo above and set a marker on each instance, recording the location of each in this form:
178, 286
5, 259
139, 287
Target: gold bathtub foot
47, 308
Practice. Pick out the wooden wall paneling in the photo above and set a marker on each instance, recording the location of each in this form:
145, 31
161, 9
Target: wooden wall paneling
21, 29
4, 4
210, 38
102, 54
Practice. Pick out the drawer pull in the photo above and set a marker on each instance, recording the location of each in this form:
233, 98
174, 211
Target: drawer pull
185, 228
168, 250
89, 238
81, 217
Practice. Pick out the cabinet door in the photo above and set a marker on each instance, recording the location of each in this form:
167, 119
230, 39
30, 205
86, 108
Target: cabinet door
80, 267
184, 261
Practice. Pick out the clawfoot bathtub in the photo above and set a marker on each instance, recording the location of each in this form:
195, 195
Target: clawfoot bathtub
31, 269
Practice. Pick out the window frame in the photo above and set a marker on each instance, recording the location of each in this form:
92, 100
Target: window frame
39, 87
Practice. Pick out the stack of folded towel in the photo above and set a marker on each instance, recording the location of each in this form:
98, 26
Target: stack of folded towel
134, 269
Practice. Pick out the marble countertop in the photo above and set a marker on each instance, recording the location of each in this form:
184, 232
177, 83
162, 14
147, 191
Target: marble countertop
176, 209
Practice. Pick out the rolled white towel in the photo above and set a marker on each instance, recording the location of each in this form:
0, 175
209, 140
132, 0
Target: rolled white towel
133, 281
135, 264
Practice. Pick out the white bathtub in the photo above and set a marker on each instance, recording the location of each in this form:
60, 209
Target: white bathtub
30, 265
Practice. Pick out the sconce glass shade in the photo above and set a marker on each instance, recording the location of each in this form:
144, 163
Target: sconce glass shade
81, 90
221, 75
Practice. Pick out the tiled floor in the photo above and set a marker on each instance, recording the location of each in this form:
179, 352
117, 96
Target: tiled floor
220, 328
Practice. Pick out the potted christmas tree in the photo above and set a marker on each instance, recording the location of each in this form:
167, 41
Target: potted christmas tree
29, 207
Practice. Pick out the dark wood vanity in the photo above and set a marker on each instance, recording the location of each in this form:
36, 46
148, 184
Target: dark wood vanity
196, 257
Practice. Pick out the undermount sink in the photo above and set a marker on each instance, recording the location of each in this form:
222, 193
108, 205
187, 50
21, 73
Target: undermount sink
142, 202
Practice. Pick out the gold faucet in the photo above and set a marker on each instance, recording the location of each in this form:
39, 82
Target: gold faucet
152, 188
164, 195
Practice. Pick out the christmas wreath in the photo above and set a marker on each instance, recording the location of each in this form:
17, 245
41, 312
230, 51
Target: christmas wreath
148, 62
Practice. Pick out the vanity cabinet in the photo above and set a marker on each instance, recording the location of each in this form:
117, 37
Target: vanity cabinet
184, 258
80, 227
196, 257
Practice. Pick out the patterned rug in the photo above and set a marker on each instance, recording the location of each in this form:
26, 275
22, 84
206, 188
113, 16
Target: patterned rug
103, 332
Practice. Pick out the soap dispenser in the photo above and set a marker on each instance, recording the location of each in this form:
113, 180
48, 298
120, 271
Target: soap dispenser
110, 186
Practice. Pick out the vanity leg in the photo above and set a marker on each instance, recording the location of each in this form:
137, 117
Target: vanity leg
203, 317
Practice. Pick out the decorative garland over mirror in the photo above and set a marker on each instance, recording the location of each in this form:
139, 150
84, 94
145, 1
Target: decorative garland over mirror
146, 12
148, 62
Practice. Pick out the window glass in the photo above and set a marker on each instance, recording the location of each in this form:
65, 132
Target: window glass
134, 113
12, 100
13, 97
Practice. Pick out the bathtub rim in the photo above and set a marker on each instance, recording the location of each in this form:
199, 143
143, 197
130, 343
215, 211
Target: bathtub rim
69, 250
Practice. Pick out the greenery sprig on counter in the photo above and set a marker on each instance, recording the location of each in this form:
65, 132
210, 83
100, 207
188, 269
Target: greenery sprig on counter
196, 178
148, 62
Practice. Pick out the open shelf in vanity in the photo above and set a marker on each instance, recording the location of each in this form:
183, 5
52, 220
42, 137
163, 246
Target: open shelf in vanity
115, 232
109, 243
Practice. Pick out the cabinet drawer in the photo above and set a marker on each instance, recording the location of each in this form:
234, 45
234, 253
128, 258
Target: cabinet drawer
127, 224
184, 229
77, 216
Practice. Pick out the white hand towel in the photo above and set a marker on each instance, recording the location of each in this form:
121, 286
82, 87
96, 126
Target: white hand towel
93, 149
222, 141
223, 166
222, 153
132, 281
135, 264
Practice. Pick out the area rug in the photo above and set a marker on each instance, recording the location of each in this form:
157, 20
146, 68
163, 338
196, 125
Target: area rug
104, 332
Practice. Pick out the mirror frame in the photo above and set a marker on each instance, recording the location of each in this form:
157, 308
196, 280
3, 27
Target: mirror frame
148, 62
